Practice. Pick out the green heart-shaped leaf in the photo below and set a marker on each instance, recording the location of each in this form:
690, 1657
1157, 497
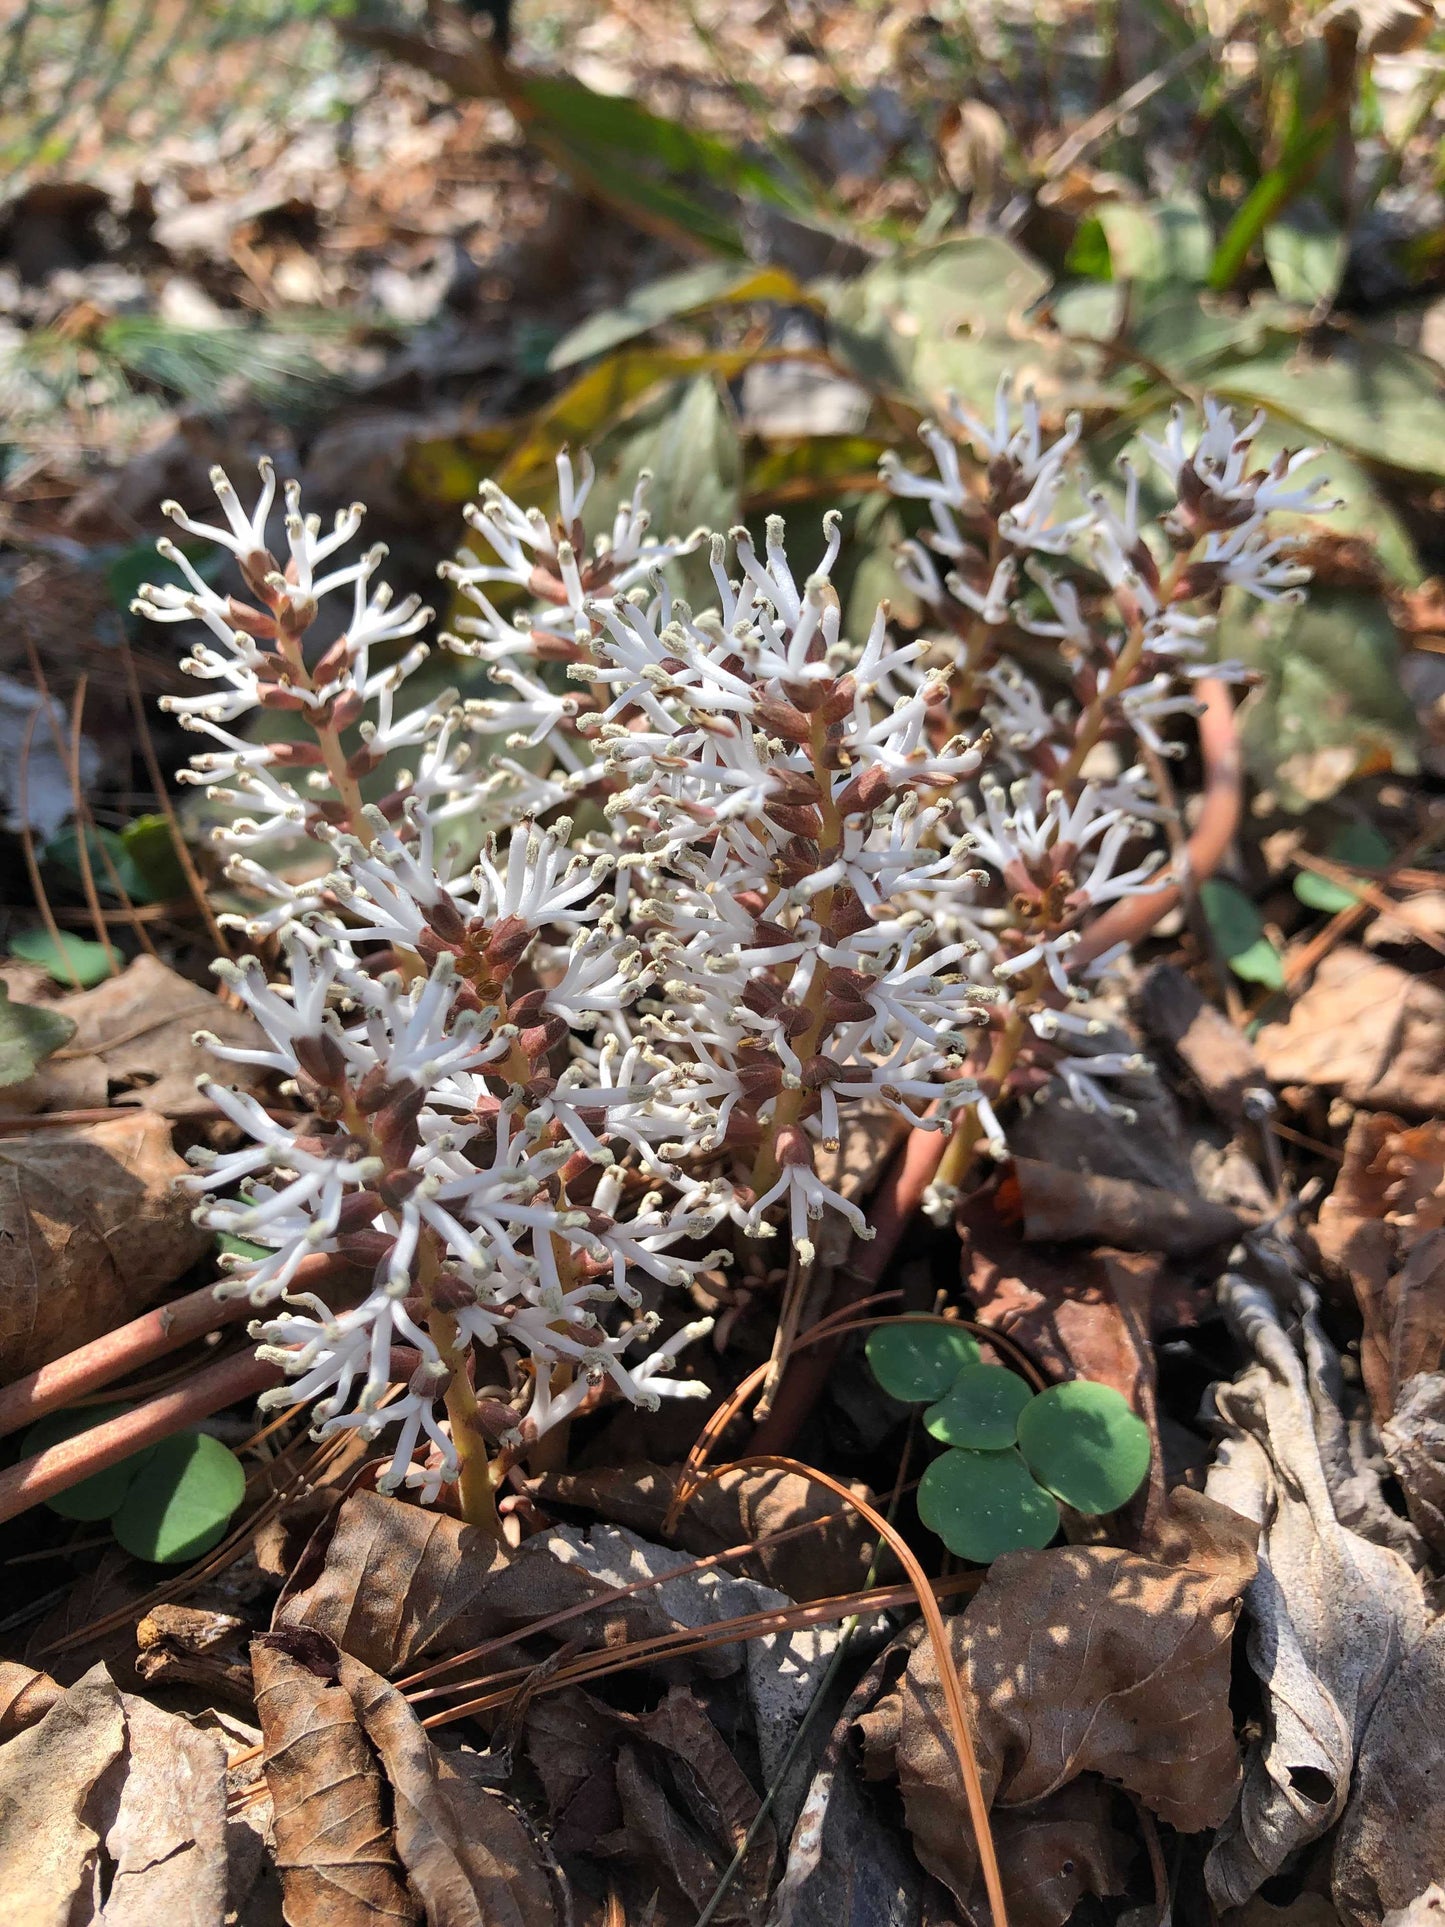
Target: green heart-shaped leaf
184, 1502
919, 1361
982, 1504
1084, 1443
980, 1409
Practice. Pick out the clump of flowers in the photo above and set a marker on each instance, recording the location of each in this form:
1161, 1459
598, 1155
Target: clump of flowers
544, 1073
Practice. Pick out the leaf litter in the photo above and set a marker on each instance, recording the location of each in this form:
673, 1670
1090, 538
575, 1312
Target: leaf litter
1249, 1672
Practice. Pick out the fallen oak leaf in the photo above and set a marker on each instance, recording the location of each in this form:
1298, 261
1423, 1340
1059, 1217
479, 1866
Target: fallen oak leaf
26, 1696
1075, 1660
52, 1836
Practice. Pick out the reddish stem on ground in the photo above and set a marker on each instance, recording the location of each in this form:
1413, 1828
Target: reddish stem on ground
61, 1466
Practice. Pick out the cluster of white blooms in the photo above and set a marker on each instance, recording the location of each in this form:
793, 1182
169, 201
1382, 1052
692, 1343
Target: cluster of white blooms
544, 1067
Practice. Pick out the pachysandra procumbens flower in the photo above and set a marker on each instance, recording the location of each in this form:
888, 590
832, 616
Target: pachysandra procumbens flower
542, 1070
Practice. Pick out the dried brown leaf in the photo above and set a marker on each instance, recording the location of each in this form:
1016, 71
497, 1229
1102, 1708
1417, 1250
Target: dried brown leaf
1367, 1030
51, 1820
470, 1856
1392, 1839
333, 1839
1414, 1441
1077, 1660
685, 1805
732, 1510
92, 1231
133, 1045
399, 1585
1383, 1229
1217, 1055
26, 1696
167, 1841
114, 1811
1331, 1612
1061, 1207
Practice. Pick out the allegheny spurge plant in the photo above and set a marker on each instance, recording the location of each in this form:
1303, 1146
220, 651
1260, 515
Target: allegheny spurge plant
551, 1076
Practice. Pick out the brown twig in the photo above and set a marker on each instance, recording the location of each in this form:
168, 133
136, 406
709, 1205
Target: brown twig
90, 1368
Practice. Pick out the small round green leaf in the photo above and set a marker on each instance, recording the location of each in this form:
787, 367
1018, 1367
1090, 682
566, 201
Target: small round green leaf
184, 1501
982, 1504
74, 960
1083, 1442
981, 1408
919, 1361
103, 1492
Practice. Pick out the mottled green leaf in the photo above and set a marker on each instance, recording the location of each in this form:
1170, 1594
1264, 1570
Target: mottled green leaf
1357, 844
28, 1035
980, 1408
1239, 931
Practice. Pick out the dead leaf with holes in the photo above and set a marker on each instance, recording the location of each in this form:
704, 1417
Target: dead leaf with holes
1332, 1614
1382, 1229
1079, 1662
134, 1045
92, 1230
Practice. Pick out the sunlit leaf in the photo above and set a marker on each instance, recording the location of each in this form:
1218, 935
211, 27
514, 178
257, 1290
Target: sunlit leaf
72, 960
1306, 265
1082, 1441
103, 1492
714, 284
182, 1501
983, 1504
918, 1361
980, 1408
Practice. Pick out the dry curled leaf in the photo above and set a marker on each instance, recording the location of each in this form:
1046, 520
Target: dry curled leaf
334, 1845
1414, 1441
1392, 1839
471, 1858
113, 1811
92, 1230
660, 1791
1218, 1056
1383, 1228
1079, 1660
134, 1045
1363, 1028
1061, 1207
733, 1510
1331, 1613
